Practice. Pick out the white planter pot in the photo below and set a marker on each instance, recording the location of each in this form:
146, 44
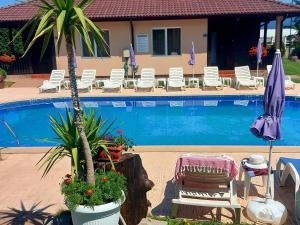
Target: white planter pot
107, 214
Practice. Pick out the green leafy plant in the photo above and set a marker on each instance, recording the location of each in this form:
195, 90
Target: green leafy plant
70, 143
3, 74
109, 187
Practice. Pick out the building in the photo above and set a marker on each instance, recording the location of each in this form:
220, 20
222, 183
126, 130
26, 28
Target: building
162, 31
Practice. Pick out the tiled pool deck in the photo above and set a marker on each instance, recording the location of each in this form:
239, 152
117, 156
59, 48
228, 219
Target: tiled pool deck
21, 181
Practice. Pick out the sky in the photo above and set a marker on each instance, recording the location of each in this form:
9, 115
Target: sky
9, 2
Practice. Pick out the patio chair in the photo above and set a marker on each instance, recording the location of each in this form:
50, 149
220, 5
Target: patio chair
87, 80
291, 167
211, 77
147, 80
207, 181
176, 79
243, 77
288, 83
55, 81
116, 80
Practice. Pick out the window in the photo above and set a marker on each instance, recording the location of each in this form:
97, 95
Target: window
99, 51
166, 41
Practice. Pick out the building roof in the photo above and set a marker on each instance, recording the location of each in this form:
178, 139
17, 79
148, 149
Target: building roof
155, 9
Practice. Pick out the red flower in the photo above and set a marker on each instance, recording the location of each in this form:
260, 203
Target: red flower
68, 181
104, 179
119, 131
89, 192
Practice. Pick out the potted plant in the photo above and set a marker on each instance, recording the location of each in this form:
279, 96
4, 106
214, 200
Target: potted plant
100, 203
87, 202
3, 76
116, 144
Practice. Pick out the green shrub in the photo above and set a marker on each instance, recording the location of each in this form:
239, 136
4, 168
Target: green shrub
108, 188
18, 46
3, 73
4, 41
296, 50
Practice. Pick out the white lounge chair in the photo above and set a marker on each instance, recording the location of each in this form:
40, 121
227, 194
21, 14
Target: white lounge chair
291, 167
115, 81
201, 183
87, 80
176, 79
55, 81
243, 77
288, 83
147, 80
211, 77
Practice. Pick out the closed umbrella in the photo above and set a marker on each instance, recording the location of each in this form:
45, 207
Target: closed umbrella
132, 60
192, 58
268, 127
258, 56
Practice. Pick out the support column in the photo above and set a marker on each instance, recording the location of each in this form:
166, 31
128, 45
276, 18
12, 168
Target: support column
265, 33
278, 32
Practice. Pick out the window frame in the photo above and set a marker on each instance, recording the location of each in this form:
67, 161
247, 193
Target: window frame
166, 41
95, 48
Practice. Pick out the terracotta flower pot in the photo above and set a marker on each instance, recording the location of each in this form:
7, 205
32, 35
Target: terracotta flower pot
115, 153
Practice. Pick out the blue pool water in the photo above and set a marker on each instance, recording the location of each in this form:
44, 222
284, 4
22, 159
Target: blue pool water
190, 120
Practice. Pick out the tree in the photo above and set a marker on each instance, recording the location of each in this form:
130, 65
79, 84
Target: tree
297, 19
68, 18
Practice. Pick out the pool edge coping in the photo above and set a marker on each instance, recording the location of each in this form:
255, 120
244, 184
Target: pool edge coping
175, 148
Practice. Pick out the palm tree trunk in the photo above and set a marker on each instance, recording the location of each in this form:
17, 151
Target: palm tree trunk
90, 176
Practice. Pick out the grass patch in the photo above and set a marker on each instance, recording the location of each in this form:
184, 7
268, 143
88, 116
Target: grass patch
190, 222
8, 84
291, 67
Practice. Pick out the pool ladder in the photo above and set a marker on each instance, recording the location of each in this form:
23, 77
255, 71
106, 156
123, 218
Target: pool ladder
11, 131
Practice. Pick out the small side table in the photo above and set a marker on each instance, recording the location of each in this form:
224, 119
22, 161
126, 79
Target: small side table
260, 81
247, 181
129, 83
161, 82
193, 82
227, 81
100, 83
67, 84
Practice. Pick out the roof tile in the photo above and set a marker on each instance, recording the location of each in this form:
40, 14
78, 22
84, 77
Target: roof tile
151, 9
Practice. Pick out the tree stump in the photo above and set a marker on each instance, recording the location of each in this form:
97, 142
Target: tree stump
135, 207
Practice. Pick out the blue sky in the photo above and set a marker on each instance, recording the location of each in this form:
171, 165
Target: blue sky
9, 2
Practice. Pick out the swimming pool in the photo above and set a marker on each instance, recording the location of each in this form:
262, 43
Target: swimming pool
184, 120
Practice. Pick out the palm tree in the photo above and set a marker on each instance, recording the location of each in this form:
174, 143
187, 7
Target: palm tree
68, 18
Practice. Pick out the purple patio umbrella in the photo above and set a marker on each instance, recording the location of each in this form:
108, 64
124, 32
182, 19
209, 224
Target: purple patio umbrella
258, 56
132, 60
192, 58
268, 126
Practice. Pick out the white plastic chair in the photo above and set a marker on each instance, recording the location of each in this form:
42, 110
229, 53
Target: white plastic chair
290, 166
243, 77
176, 79
211, 77
55, 81
87, 80
288, 83
147, 80
116, 80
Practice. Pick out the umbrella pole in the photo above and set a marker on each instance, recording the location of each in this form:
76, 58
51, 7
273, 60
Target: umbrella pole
193, 72
257, 67
268, 196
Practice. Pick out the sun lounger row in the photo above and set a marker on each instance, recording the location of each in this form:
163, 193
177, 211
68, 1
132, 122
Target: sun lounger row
147, 81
